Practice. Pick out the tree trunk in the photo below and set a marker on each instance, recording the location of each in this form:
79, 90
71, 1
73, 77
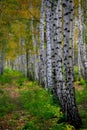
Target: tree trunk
2, 57
58, 52
34, 50
81, 43
48, 47
42, 50
53, 48
71, 110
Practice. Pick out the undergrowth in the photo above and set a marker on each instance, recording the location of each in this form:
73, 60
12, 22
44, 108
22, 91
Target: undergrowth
6, 105
81, 98
43, 111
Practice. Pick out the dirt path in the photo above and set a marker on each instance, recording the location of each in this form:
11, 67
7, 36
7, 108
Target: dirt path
78, 87
16, 119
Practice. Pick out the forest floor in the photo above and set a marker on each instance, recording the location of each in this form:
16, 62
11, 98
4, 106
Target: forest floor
26, 106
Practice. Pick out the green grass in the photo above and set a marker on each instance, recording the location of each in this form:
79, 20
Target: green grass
39, 103
43, 110
4, 79
79, 80
81, 98
75, 73
12, 77
6, 105
34, 100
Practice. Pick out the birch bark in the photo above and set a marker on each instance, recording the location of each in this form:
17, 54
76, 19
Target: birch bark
42, 54
81, 43
48, 47
70, 103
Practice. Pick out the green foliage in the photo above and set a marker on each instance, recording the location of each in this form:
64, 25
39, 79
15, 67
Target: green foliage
30, 126
7, 71
81, 95
69, 127
42, 108
11, 76
59, 126
6, 106
62, 118
12, 73
39, 103
16, 116
5, 79
75, 73
20, 81
81, 82
85, 33
81, 98
1, 91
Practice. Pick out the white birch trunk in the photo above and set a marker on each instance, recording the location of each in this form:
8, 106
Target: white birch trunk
48, 47
34, 50
70, 103
53, 47
59, 52
42, 54
2, 58
81, 43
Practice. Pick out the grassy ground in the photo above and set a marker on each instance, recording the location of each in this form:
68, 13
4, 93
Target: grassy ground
26, 106
81, 97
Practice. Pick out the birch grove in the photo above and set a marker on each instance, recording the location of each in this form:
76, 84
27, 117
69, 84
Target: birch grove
44, 49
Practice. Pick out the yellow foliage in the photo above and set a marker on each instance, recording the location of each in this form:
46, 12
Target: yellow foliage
12, 45
24, 14
18, 29
69, 127
35, 12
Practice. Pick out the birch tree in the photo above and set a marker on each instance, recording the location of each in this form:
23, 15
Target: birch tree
81, 42
42, 51
2, 59
53, 47
70, 102
48, 46
58, 52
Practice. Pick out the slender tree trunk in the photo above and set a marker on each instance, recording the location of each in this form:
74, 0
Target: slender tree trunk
81, 43
38, 52
22, 63
48, 47
27, 62
79, 64
34, 50
2, 58
53, 48
42, 50
58, 52
70, 104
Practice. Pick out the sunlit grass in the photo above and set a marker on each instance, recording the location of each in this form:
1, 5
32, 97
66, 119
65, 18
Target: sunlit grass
42, 112
34, 100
